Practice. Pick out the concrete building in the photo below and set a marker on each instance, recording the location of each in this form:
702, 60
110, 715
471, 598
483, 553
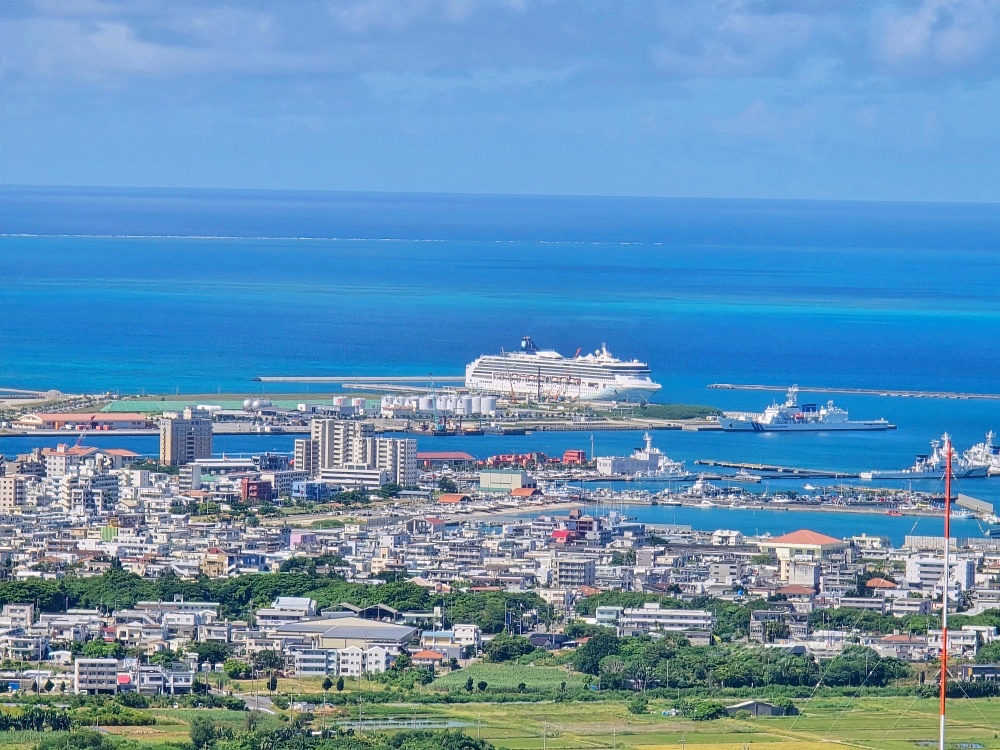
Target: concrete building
504, 480
928, 572
571, 572
185, 437
801, 547
398, 458
12, 492
95, 676
343, 442
651, 617
307, 457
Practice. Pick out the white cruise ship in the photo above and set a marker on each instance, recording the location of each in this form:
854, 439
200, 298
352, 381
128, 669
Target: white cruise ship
539, 374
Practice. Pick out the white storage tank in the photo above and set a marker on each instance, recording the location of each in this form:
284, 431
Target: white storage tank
426, 403
359, 402
465, 404
442, 403
489, 405
339, 400
477, 405
452, 402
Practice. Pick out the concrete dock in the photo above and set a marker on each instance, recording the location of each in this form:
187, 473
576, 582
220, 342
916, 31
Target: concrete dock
858, 391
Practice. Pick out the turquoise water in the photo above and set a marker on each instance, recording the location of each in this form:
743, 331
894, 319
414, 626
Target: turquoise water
164, 291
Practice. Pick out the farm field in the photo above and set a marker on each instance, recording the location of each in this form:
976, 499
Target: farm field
875, 723
508, 676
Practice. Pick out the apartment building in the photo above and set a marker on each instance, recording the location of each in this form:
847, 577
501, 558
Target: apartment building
185, 437
572, 572
13, 493
95, 676
651, 617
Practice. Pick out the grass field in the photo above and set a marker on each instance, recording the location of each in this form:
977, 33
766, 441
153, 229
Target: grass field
870, 723
508, 676
878, 724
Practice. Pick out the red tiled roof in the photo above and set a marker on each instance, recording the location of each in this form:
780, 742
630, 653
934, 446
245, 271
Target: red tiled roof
427, 654
806, 538
880, 583
796, 591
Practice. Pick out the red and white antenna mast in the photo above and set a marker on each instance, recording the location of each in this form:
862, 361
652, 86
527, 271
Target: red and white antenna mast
947, 582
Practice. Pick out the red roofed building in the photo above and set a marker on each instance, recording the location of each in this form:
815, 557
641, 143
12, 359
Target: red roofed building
437, 459
563, 536
427, 658
574, 457
801, 546
881, 584
525, 492
453, 498
91, 421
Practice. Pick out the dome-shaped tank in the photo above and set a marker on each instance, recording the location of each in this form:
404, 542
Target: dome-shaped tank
247, 404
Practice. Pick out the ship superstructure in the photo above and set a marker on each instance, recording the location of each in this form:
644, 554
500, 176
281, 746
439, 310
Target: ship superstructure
932, 466
537, 374
647, 461
790, 417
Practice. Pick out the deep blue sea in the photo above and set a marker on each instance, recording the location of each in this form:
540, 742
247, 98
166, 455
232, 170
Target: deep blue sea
197, 291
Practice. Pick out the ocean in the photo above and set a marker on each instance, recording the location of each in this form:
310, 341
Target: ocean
170, 291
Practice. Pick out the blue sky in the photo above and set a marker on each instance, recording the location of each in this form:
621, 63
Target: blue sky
863, 100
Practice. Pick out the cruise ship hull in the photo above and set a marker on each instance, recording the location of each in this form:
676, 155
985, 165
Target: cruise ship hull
730, 424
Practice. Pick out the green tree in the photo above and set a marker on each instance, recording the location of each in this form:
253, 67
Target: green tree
202, 732
638, 705
268, 659
235, 669
481, 686
340, 684
468, 685
327, 684
505, 647
447, 484
588, 656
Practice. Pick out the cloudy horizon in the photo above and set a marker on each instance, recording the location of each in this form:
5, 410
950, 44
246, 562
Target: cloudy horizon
741, 99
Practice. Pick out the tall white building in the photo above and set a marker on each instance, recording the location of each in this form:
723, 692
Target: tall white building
307, 456
928, 572
398, 458
185, 437
337, 446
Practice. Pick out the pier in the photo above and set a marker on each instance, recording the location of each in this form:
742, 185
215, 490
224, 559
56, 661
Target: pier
859, 391
788, 471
